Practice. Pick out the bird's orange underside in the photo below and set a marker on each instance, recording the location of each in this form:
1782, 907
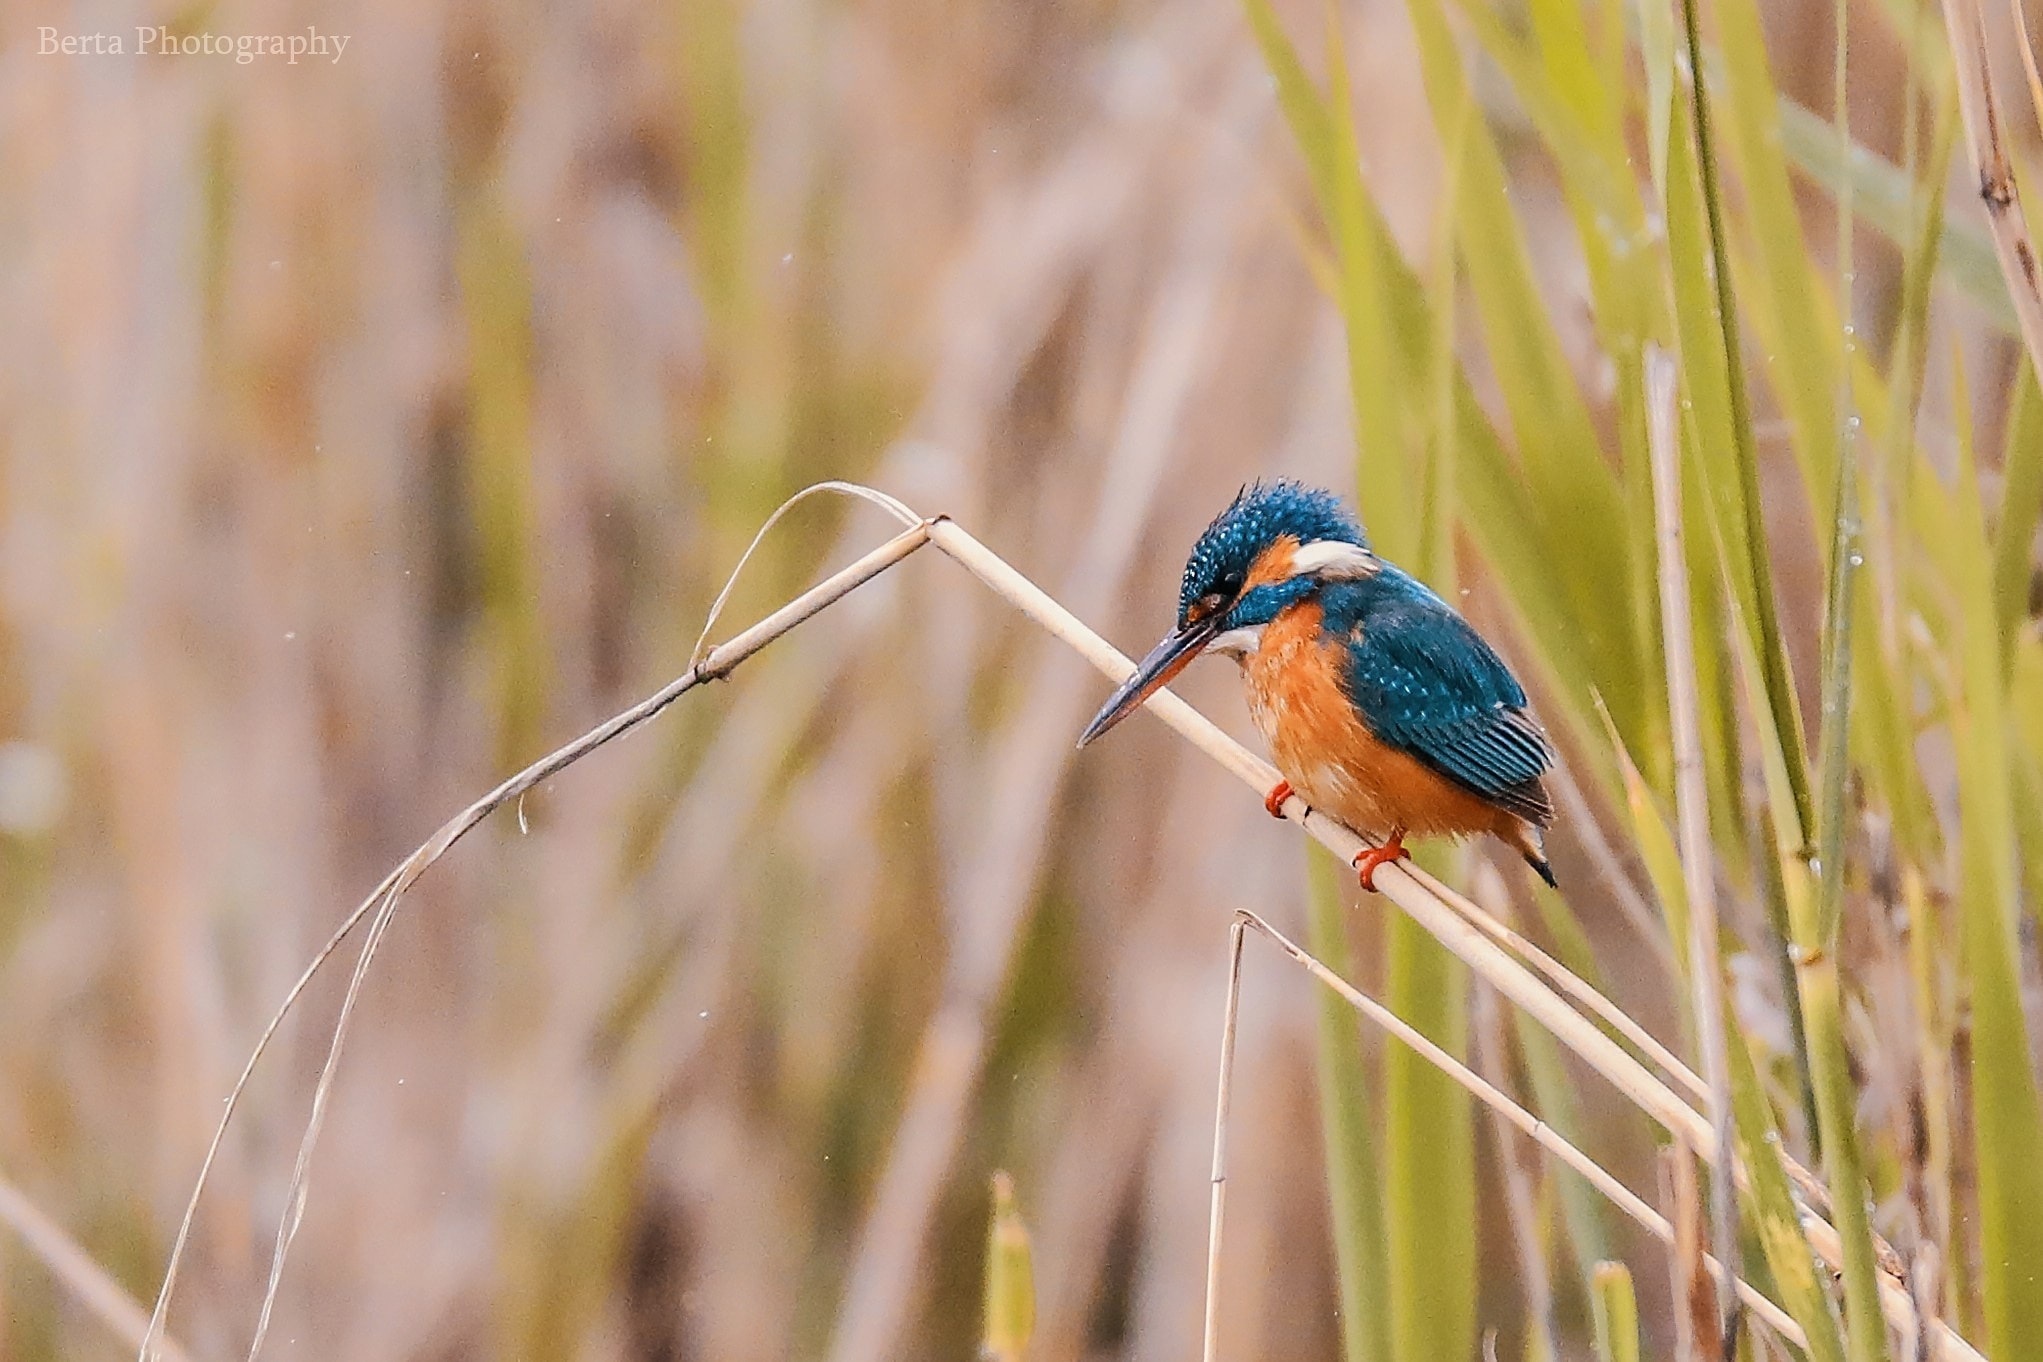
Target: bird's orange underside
1333, 762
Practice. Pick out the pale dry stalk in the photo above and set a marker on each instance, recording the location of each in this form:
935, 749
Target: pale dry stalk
89, 1283
382, 901
1691, 804
1539, 1131
1695, 1318
1986, 135
1521, 1194
1223, 1106
1445, 915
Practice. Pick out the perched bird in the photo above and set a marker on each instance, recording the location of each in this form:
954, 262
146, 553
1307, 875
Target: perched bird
1380, 704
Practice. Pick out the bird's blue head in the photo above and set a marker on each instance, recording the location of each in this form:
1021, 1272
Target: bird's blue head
1274, 545
1246, 563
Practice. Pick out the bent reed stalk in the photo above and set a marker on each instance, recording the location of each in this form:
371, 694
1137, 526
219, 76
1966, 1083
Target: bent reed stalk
1458, 924
714, 665
1545, 1136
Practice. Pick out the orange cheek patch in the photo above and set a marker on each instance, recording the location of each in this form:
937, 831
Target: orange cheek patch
1273, 564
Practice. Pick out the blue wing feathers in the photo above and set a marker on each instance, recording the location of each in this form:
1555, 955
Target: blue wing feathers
1427, 684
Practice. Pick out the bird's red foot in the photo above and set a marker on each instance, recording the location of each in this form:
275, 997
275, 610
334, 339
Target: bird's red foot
1274, 800
1373, 859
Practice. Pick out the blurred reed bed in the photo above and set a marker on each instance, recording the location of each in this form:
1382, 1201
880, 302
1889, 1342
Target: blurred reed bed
367, 429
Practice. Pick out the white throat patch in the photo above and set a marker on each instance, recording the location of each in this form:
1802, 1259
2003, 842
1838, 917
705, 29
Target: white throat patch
1240, 644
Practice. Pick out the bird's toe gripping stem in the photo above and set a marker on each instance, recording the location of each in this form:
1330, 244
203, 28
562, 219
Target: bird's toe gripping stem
1274, 800
1372, 859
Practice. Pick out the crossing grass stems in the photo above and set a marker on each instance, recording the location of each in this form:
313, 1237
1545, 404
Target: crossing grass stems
1453, 920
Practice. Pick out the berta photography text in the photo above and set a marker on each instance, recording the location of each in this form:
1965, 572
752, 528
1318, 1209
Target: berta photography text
159, 41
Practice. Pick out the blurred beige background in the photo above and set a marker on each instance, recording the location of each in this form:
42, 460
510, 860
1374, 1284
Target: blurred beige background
369, 427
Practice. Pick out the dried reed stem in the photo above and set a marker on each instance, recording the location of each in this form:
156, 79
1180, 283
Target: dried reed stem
89, 1283
1492, 1050
1696, 1323
1631, 901
2028, 51
1986, 135
1223, 1105
1447, 916
1542, 1134
382, 901
1450, 918
1691, 806
1570, 983
1811, 1186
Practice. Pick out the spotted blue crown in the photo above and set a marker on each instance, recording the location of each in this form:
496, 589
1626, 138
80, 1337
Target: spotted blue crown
1259, 515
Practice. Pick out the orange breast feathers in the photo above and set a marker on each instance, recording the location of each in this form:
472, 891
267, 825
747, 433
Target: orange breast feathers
1331, 759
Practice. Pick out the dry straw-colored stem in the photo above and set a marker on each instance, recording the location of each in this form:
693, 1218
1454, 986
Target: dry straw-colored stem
1571, 984
1449, 917
1986, 135
1223, 1107
74, 1269
1631, 901
2028, 51
1522, 1210
382, 902
1691, 803
1688, 1271
1541, 1134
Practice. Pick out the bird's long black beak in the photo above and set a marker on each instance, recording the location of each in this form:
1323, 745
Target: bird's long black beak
1165, 661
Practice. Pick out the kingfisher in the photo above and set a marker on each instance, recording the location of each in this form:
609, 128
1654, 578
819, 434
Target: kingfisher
1380, 704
